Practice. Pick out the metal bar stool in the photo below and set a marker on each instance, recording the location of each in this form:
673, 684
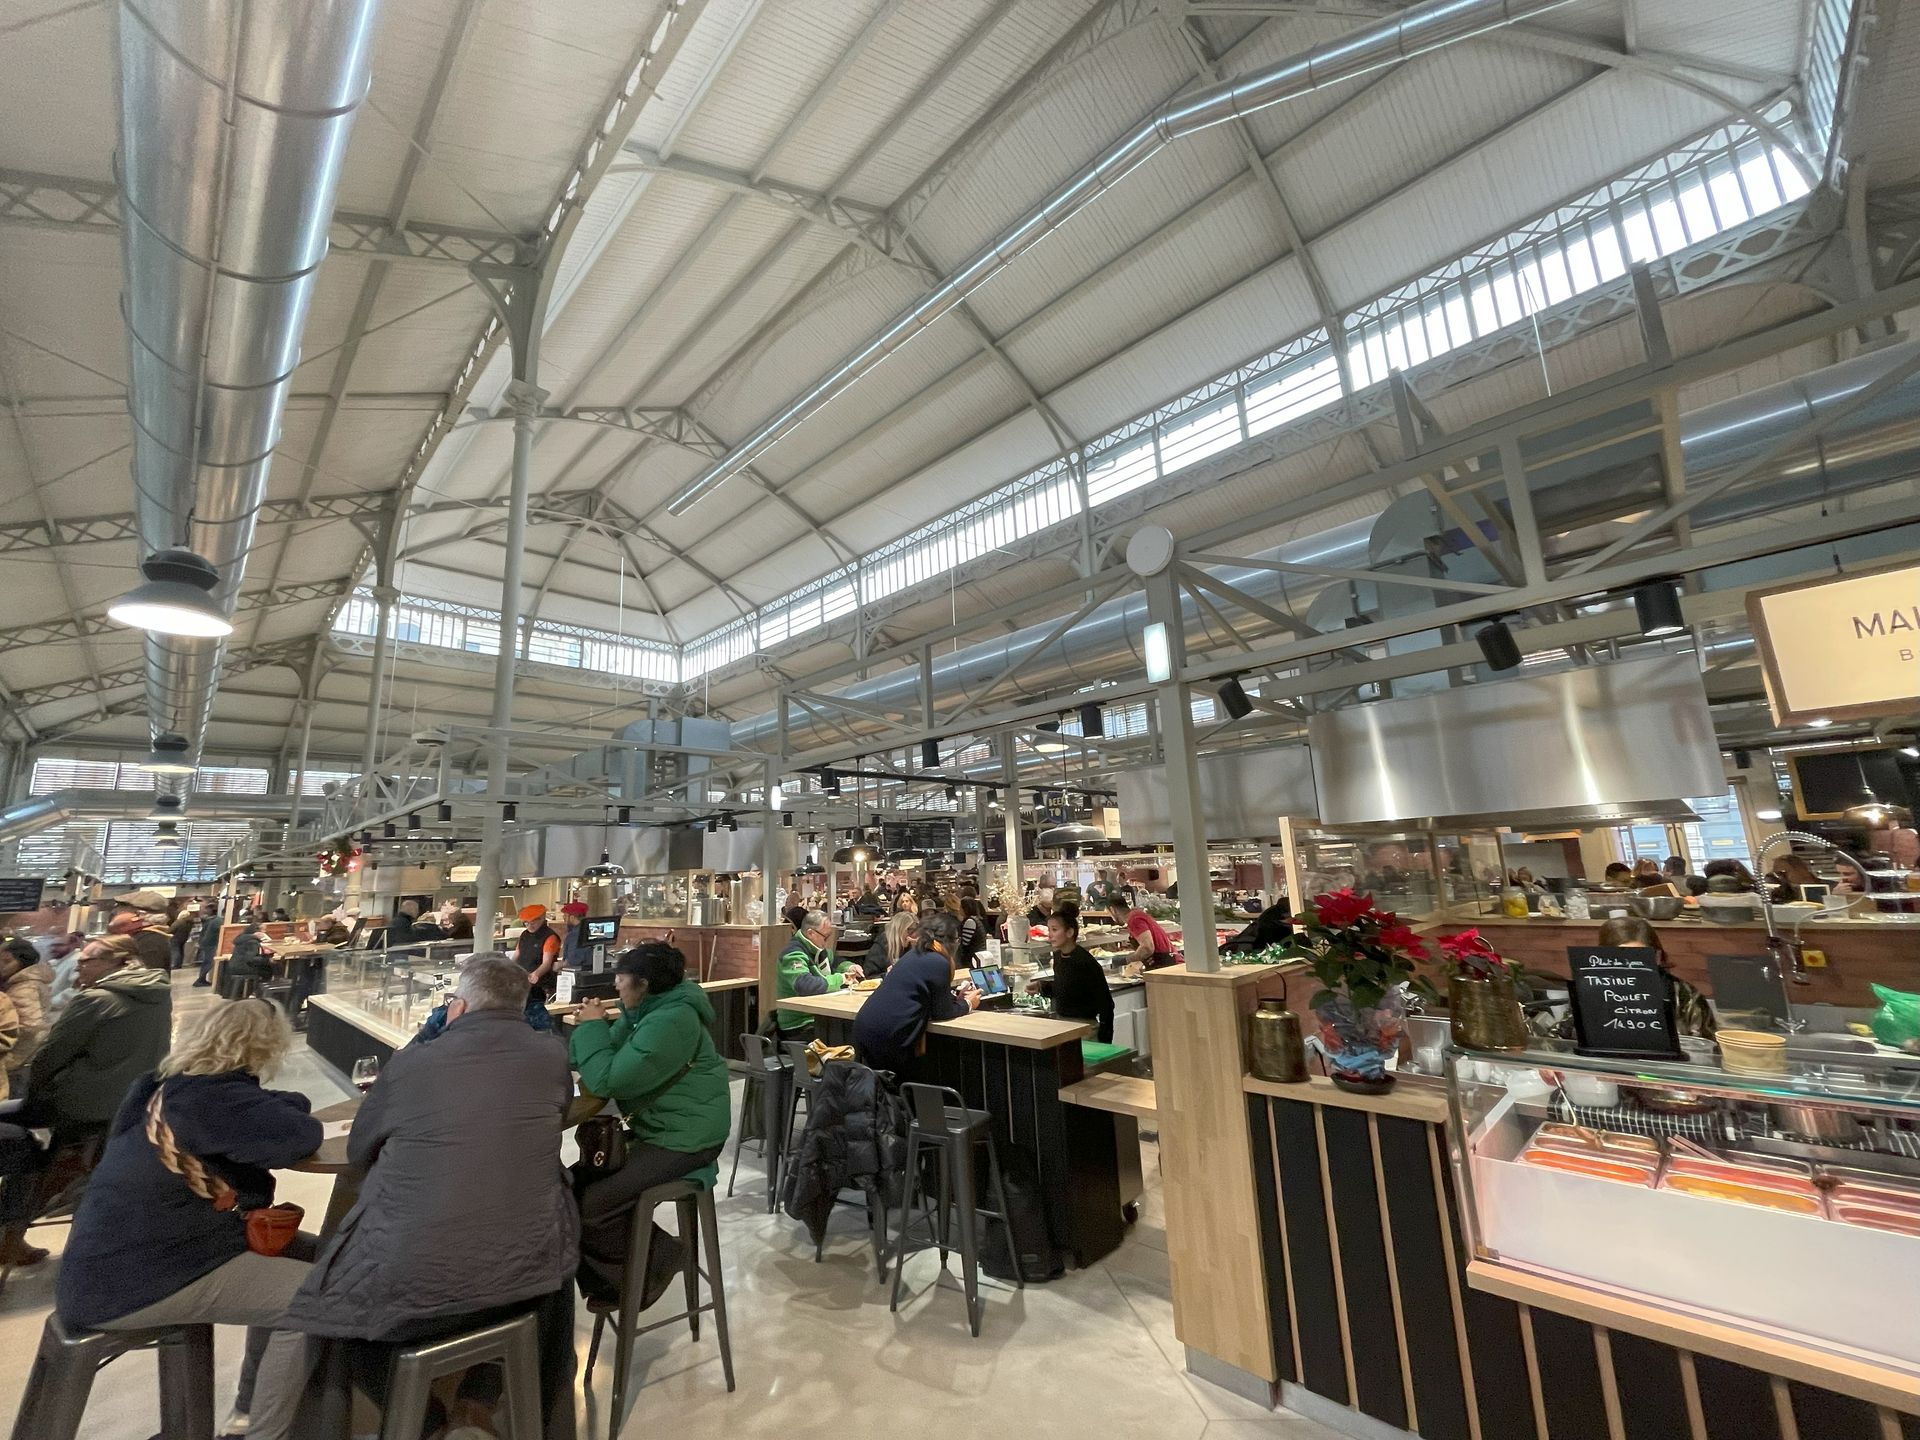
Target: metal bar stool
514, 1345
939, 1122
769, 1079
61, 1381
802, 1080
698, 1220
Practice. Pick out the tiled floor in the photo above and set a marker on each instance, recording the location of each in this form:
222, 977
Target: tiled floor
816, 1351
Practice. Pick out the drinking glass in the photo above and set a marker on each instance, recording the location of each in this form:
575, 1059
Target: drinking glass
366, 1070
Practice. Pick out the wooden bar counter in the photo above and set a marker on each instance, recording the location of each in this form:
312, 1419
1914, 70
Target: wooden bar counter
1016, 1067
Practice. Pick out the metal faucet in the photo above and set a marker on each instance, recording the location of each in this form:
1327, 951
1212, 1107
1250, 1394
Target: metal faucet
1774, 942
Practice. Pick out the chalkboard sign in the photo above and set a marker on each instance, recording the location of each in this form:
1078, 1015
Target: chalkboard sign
17, 895
1622, 1003
923, 836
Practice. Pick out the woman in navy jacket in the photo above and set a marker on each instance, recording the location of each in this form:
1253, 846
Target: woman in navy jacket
147, 1249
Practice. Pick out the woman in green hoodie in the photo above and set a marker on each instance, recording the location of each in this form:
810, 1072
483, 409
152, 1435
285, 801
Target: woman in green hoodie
656, 1061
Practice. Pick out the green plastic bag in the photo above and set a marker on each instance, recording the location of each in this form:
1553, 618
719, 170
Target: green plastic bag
1897, 1022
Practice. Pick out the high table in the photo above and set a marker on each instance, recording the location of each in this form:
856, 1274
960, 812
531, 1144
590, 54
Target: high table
1016, 1067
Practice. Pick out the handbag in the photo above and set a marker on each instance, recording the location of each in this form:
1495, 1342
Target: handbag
603, 1138
270, 1228
603, 1145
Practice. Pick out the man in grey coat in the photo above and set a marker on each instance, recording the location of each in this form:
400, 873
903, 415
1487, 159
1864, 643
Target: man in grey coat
465, 1216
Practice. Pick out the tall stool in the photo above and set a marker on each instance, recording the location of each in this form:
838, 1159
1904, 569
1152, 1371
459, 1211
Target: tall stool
514, 1345
695, 1204
63, 1369
939, 1123
802, 1081
768, 1079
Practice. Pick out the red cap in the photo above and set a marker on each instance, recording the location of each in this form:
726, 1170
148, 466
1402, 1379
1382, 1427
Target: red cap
573, 907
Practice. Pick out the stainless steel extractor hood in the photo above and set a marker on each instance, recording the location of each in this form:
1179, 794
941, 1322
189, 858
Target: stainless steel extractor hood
1601, 744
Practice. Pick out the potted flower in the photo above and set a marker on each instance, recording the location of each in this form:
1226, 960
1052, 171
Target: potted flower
1364, 958
1484, 1011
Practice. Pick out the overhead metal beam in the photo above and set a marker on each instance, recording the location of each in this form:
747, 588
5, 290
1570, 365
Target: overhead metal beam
68, 204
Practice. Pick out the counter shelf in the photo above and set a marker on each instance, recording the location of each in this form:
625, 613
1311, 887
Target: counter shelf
1792, 1245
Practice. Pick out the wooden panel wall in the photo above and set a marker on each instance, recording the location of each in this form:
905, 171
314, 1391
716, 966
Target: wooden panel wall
1370, 1308
1214, 1236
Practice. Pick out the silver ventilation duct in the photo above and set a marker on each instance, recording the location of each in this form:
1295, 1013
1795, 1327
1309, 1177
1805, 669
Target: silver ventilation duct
1873, 445
1414, 31
233, 124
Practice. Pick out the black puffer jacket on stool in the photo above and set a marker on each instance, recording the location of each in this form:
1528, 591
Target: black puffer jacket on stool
846, 1144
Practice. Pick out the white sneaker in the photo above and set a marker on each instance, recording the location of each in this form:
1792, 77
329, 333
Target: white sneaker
236, 1424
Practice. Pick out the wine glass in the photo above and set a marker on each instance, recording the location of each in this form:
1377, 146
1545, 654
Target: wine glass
366, 1070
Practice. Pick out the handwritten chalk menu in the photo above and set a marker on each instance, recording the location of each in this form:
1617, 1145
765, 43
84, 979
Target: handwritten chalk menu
1622, 1003
19, 895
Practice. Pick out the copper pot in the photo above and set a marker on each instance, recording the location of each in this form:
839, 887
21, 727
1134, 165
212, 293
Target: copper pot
1486, 1014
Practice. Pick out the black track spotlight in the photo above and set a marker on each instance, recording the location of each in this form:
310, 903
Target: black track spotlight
625, 814
413, 822
446, 813
733, 825
509, 812
930, 754
829, 782
1656, 603
786, 818
713, 825
1498, 645
993, 795
366, 837
874, 821
1233, 699
1093, 721
389, 831
953, 792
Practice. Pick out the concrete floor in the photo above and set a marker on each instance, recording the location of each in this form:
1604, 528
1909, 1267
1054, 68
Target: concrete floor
816, 1351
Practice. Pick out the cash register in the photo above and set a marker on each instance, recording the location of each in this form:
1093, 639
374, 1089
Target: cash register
594, 980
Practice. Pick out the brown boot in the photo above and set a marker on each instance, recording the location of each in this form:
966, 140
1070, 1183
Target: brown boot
15, 1251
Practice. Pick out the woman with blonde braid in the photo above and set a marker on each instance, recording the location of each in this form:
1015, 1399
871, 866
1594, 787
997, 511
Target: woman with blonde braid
161, 1234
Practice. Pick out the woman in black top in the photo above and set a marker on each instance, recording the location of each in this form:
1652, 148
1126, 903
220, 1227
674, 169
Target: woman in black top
1079, 984
974, 928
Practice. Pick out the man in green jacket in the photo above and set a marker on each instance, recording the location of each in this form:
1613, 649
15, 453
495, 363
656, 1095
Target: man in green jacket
807, 967
654, 1059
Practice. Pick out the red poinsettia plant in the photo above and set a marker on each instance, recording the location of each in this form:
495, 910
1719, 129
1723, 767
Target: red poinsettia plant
1357, 949
1472, 956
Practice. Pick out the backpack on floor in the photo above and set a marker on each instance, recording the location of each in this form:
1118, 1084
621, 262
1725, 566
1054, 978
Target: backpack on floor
1027, 1215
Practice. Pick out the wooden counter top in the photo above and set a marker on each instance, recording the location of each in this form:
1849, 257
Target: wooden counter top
739, 982
990, 1027
1406, 1100
1225, 975
1771, 1353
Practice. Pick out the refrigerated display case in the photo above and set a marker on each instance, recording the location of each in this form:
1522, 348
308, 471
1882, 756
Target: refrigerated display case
1776, 1205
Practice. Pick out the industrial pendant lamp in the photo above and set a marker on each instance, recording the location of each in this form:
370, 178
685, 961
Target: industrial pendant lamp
177, 598
606, 869
1656, 603
166, 807
1872, 810
165, 837
1498, 645
170, 756
1049, 742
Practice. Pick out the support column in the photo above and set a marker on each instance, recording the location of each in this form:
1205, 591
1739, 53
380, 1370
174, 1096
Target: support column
1266, 873
384, 596
1011, 888
526, 400
1172, 699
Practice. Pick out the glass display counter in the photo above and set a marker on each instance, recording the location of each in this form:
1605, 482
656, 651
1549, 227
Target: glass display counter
395, 990
1781, 1204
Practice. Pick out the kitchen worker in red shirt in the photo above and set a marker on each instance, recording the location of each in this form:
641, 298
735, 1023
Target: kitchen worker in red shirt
1151, 948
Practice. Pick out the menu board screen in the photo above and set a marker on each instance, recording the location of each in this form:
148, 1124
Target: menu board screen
1622, 1003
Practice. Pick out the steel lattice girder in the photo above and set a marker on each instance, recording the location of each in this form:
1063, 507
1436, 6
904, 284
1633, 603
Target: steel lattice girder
61, 202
